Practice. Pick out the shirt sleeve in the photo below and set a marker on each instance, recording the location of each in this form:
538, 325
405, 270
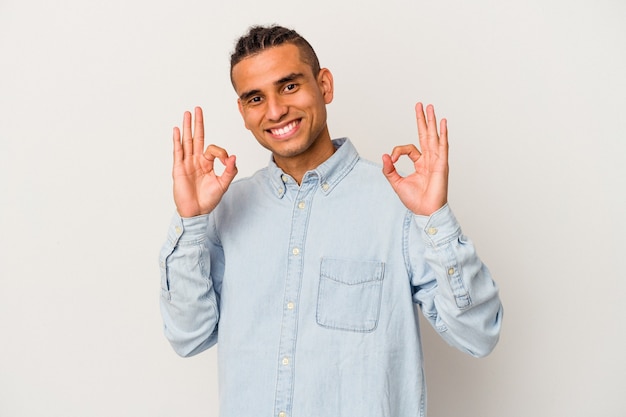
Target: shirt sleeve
189, 299
451, 284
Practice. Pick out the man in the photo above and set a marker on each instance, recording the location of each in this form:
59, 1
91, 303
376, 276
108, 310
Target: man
307, 274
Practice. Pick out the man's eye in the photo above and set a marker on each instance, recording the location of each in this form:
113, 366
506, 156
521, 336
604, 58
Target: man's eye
290, 87
254, 100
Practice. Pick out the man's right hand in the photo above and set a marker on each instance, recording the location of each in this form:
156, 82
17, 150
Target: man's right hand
197, 189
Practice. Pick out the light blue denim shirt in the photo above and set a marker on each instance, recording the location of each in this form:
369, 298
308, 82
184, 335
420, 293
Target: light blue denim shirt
310, 292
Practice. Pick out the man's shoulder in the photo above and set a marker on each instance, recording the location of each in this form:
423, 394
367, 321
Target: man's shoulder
369, 173
369, 166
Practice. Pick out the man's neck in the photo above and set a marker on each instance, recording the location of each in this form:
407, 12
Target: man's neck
299, 165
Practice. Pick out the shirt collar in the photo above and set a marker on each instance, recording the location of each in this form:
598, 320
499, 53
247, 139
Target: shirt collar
328, 174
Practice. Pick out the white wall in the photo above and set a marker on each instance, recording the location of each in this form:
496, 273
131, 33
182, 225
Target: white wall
535, 95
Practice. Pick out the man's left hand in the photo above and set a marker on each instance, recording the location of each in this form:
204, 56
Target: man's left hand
426, 190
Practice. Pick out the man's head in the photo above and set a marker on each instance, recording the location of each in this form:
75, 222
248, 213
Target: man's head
260, 38
282, 97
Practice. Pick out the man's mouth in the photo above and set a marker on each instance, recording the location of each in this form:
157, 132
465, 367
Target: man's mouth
285, 130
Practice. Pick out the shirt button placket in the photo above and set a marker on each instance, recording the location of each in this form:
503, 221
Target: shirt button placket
288, 336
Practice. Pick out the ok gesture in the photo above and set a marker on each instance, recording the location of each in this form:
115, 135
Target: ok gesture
197, 189
425, 190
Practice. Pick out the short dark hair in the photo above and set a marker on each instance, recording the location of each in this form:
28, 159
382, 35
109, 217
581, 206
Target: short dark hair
259, 38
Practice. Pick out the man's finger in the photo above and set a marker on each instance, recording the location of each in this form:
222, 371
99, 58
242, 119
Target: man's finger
198, 132
422, 127
187, 137
409, 150
214, 151
431, 120
178, 148
443, 139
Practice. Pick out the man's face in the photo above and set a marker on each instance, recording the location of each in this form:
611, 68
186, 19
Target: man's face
282, 102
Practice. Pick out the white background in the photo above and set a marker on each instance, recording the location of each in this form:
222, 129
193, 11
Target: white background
535, 95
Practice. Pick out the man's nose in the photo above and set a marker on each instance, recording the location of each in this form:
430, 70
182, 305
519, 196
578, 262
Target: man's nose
276, 108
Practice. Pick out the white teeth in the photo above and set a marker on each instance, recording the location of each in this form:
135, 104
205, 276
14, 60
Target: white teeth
284, 130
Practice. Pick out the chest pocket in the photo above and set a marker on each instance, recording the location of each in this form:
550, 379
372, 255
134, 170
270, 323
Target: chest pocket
349, 294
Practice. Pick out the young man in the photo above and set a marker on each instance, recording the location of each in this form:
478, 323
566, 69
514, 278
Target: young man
307, 274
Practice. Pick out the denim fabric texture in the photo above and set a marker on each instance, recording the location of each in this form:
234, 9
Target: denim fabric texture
312, 291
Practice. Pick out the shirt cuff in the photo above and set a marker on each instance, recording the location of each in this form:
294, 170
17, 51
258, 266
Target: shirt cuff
438, 228
188, 229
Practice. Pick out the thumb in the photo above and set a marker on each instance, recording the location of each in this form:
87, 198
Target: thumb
230, 171
389, 171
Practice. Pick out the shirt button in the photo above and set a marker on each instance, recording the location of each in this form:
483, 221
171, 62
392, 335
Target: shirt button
291, 305
450, 271
301, 205
285, 361
325, 186
280, 191
282, 414
285, 178
178, 230
432, 231
295, 251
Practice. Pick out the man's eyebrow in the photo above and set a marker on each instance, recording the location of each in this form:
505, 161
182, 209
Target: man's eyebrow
291, 77
247, 94
288, 78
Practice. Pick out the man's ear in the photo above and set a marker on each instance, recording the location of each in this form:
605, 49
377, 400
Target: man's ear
326, 84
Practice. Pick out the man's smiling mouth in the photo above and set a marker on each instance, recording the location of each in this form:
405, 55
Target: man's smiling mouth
285, 130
